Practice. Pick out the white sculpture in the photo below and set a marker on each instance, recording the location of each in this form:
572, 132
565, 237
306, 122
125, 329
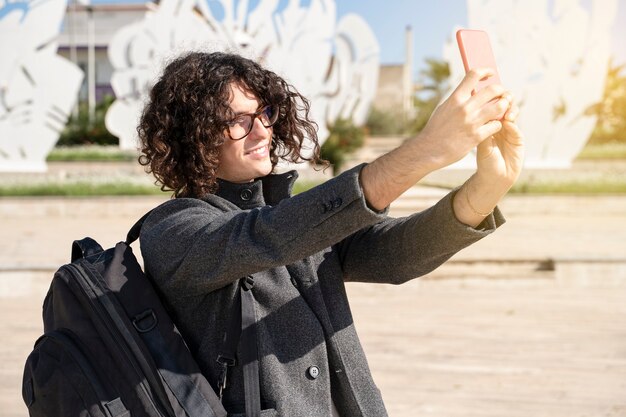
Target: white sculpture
38, 88
554, 57
295, 41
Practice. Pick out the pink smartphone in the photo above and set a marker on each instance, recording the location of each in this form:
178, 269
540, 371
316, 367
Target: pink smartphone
476, 52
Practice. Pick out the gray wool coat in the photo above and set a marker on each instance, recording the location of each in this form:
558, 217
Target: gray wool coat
300, 251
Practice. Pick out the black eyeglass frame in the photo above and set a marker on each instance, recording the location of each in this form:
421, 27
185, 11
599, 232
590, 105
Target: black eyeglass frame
256, 115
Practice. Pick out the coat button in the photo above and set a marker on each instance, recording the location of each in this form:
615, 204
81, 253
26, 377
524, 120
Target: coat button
246, 194
337, 202
313, 371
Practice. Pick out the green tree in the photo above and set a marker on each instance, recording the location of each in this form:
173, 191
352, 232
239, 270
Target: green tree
435, 83
611, 111
384, 123
344, 138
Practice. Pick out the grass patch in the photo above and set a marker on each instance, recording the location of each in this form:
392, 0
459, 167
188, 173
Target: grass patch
302, 186
605, 186
598, 186
92, 153
611, 150
87, 189
78, 189
90, 189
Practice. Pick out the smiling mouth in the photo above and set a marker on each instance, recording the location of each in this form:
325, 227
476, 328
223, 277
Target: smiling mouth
258, 151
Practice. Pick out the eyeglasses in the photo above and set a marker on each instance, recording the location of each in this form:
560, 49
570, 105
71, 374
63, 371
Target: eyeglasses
241, 126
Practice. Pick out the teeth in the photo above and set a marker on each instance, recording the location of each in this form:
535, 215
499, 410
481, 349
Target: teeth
258, 151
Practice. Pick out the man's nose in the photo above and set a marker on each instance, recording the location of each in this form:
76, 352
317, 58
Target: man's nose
258, 130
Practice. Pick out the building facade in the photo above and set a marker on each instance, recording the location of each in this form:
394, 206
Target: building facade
74, 41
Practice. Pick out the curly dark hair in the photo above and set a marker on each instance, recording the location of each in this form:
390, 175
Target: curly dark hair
182, 125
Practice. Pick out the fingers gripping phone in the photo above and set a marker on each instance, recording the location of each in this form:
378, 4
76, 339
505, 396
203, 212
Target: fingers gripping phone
476, 52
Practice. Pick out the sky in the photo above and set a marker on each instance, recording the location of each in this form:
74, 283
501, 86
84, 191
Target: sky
432, 23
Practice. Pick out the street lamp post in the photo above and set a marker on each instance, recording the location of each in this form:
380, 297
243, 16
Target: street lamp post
73, 54
91, 63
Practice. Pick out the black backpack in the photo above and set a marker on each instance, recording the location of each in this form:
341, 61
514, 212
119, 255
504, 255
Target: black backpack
110, 349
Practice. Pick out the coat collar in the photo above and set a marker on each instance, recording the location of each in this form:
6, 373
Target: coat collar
268, 190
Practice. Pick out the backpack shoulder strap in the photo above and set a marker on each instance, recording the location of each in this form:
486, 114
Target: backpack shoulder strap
85, 247
88, 246
249, 350
241, 332
133, 233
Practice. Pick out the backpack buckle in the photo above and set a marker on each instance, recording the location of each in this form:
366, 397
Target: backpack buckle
247, 282
141, 323
225, 362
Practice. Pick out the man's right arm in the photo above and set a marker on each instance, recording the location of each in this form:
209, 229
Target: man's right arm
456, 127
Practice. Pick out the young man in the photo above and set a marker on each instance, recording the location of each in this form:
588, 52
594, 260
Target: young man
213, 130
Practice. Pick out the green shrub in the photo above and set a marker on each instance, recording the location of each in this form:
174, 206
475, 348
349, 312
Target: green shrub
434, 80
384, 123
79, 131
344, 138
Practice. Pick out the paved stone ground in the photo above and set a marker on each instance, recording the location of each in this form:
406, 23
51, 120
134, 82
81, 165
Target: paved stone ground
528, 322
520, 348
